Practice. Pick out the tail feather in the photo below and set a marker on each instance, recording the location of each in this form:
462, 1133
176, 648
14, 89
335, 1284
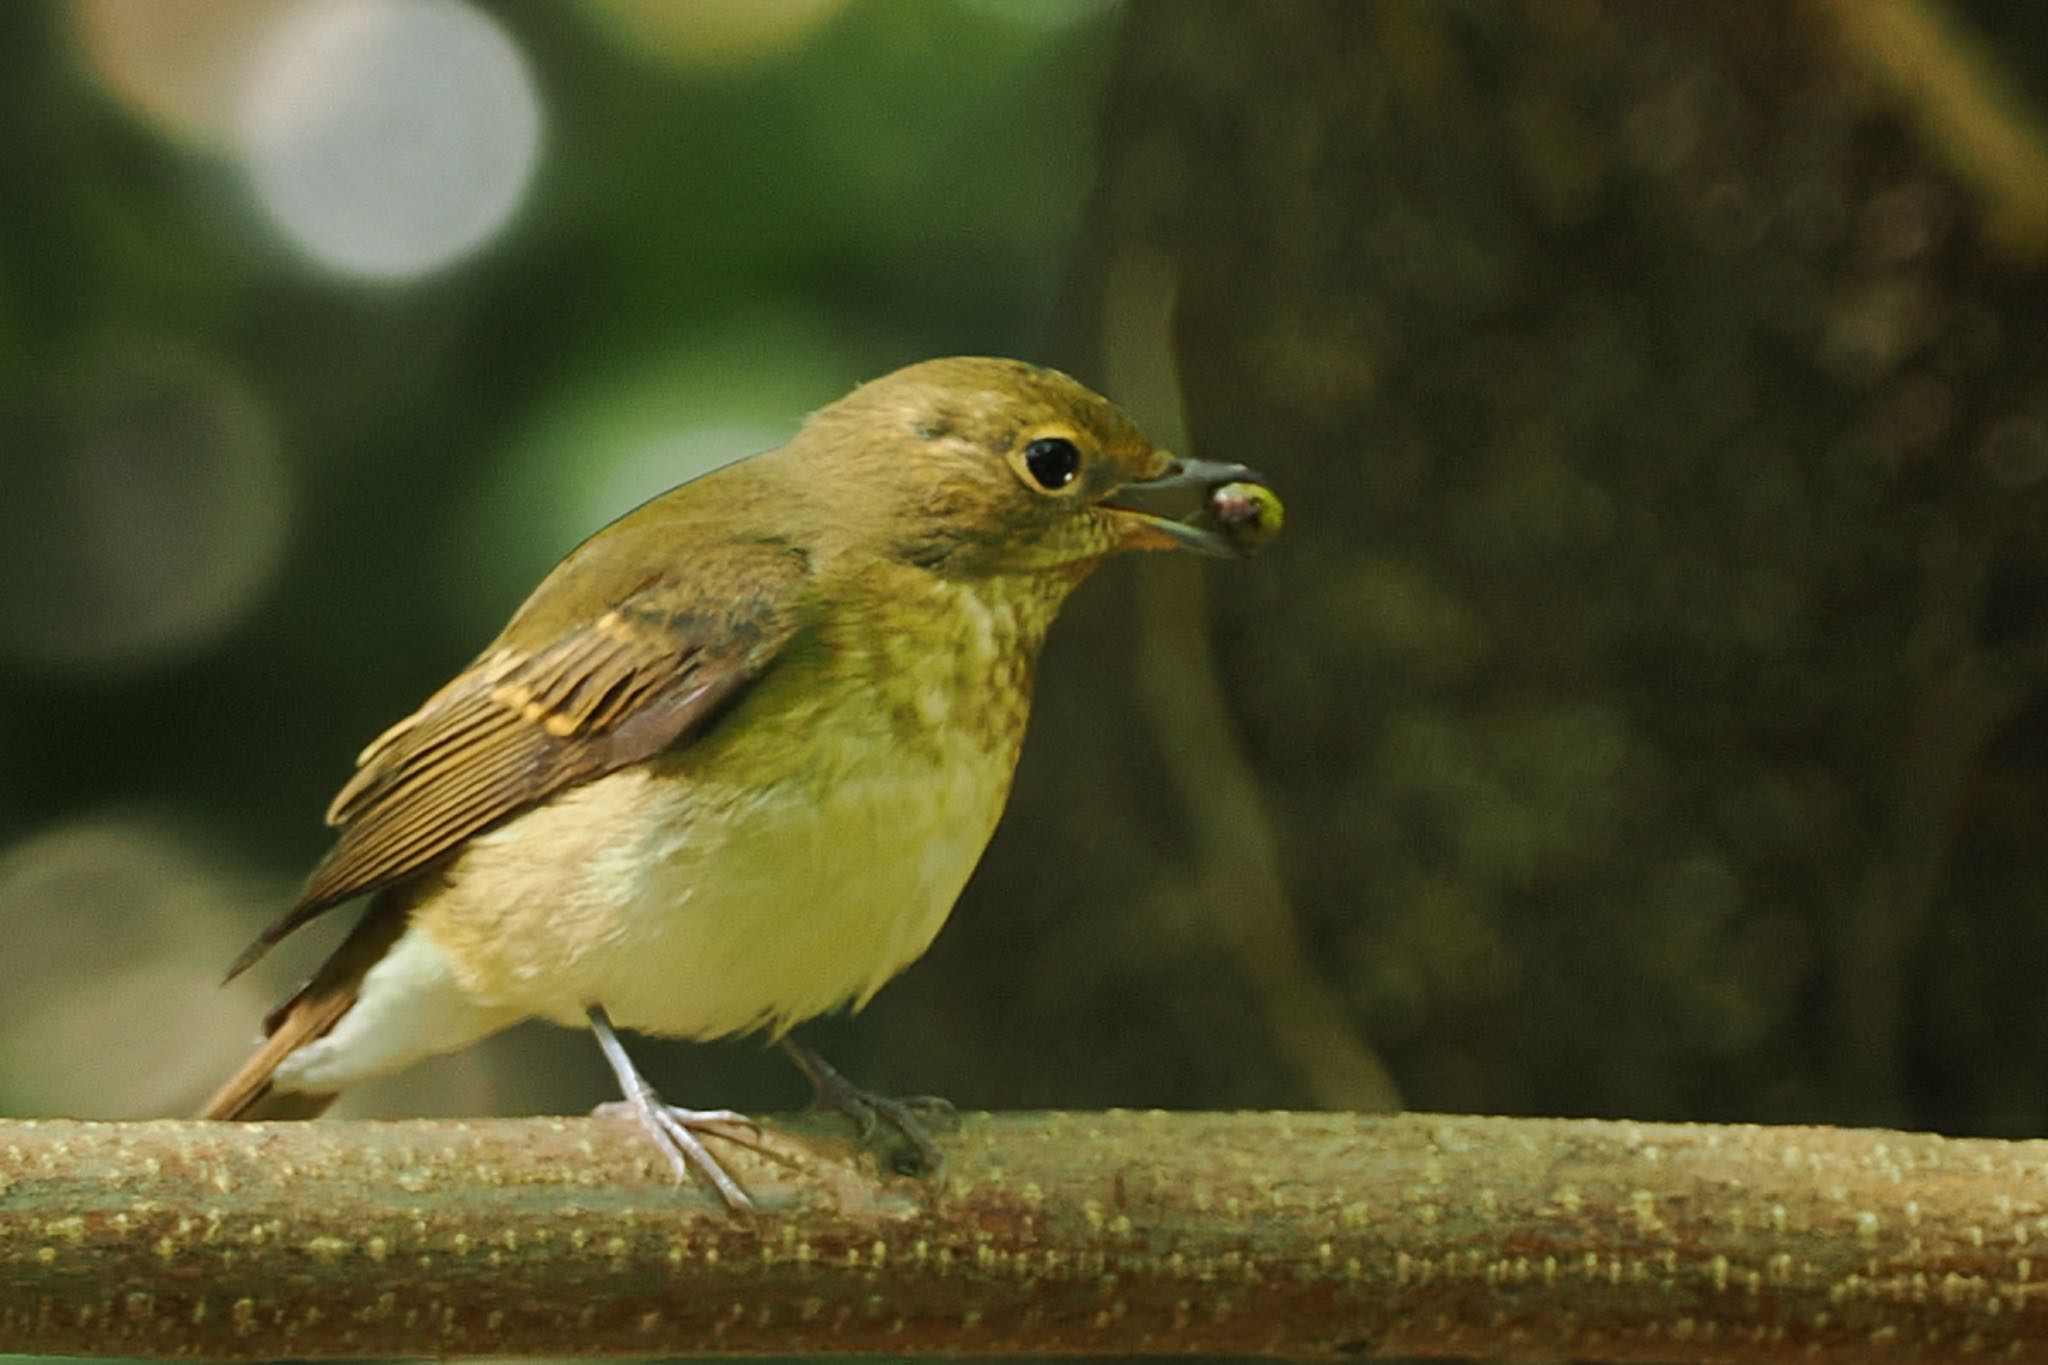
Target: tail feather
317, 1007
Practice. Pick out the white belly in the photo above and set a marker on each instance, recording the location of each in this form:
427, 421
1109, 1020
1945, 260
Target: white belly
692, 914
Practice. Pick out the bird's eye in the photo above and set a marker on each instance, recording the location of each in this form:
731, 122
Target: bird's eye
1052, 462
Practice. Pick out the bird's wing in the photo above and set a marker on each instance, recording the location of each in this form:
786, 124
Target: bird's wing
524, 722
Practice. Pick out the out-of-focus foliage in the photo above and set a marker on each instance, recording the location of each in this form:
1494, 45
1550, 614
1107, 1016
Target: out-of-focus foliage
1639, 714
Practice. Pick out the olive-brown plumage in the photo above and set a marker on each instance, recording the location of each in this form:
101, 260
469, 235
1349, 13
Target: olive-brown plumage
732, 761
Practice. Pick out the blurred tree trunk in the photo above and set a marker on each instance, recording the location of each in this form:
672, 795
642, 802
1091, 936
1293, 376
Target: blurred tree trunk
1657, 393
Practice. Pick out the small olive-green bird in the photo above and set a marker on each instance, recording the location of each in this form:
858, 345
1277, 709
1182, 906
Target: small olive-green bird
732, 762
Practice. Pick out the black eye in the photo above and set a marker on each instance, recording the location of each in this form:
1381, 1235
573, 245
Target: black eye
1052, 462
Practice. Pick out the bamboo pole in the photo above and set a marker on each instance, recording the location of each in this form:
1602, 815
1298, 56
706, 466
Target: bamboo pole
1282, 1234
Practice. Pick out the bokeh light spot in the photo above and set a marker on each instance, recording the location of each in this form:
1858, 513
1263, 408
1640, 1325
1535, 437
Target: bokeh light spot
664, 460
644, 426
390, 138
716, 32
147, 511
2016, 452
172, 61
118, 929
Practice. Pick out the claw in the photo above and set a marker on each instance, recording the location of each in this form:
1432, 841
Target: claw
867, 1109
674, 1129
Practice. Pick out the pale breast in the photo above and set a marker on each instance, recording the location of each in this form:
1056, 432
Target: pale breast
795, 868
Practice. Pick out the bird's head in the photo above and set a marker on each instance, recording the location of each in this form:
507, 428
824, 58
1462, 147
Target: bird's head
976, 467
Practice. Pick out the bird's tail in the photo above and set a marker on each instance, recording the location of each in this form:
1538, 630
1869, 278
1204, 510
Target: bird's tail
317, 1007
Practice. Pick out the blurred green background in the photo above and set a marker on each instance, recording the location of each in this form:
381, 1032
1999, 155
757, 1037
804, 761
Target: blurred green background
326, 328
1642, 715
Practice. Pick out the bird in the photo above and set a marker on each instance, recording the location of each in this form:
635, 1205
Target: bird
731, 763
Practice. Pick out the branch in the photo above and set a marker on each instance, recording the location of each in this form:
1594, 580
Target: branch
1284, 1234
1971, 110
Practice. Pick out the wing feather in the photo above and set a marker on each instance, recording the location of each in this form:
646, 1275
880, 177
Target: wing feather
520, 724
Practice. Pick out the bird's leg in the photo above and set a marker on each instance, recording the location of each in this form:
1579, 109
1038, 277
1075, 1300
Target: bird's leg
673, 1129
834, 1091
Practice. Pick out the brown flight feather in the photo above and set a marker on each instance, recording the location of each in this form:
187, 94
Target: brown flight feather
310, 1013
526, 721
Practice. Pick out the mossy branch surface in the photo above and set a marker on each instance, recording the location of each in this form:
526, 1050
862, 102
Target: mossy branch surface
1286, 1234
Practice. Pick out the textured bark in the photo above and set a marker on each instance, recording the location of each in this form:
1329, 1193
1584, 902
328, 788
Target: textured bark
1289, 1234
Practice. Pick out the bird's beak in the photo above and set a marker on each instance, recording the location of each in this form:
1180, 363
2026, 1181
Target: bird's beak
1147, 530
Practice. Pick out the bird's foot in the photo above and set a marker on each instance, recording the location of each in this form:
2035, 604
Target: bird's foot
676, 1130
912, 1117
680, 1133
